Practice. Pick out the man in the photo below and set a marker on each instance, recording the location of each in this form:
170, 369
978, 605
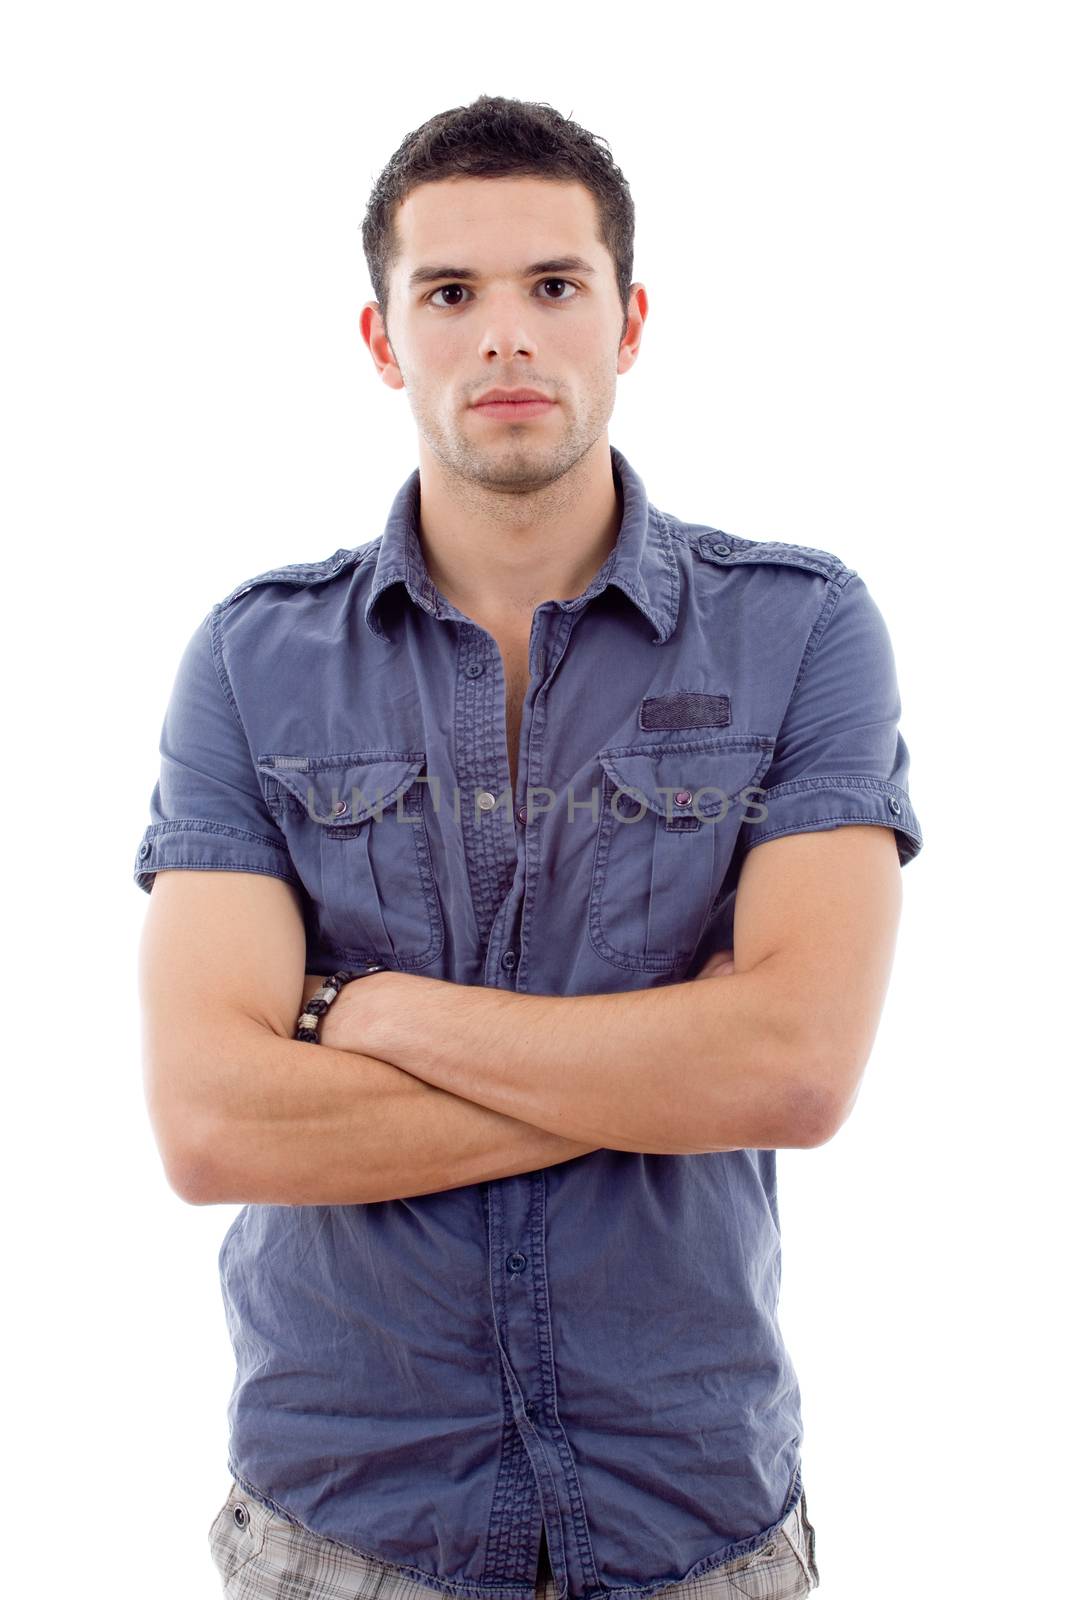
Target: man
503, 1288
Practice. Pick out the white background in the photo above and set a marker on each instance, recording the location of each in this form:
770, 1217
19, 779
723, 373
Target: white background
848, 225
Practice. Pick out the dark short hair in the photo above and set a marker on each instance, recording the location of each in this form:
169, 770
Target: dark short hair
495, 137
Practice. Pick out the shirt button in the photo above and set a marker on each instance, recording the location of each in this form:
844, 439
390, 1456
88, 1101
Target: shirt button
474, 669
145, 850
485, 801
533, 1412
521, 814
683, 797
722, 549
507, 960
516, 1261
894, 805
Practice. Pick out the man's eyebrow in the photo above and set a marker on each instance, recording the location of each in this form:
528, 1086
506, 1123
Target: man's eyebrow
433, 273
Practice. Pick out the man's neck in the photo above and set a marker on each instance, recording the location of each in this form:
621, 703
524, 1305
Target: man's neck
496, 555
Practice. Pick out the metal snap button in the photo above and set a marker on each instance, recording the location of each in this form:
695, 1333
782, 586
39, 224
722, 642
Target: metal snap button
521, 814
722, 549
485, 800
683, 797
240, 1516
894, 805
339, 807
145, 850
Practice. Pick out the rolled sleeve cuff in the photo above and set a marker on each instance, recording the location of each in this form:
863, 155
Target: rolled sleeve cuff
209, 846
808, 805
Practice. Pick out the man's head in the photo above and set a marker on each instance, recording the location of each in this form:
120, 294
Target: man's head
499, 241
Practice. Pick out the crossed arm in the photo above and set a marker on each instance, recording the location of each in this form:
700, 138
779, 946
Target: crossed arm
623, 1071
421, 1085
767, 1055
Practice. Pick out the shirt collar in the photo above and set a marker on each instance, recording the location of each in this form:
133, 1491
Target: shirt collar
642, 564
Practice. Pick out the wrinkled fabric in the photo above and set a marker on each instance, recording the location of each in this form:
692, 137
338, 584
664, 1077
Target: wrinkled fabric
261, 1555
594, 1346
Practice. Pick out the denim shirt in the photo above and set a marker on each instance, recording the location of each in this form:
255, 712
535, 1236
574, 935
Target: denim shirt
595, 1343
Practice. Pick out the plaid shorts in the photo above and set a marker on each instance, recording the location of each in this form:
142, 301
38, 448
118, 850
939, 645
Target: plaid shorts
261, 1555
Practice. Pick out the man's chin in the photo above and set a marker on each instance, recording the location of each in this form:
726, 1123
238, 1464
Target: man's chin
511, 464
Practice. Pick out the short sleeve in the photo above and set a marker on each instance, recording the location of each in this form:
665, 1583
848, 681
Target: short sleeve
839, 756
207, 810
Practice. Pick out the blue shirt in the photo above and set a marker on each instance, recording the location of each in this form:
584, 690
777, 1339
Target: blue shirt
595, 1342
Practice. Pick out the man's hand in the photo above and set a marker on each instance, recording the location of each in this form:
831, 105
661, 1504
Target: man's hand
363, 1010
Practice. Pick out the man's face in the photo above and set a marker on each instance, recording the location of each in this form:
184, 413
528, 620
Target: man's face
455, 338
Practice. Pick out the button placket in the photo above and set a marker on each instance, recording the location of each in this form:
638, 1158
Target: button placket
487, 843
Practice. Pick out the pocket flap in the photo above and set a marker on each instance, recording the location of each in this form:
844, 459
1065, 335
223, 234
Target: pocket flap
712, 774
341, 791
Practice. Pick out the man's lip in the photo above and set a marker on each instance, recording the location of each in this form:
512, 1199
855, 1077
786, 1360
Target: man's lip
516, 409
530, 397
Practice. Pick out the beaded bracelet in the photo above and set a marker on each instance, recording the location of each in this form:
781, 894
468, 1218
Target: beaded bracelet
307, 1023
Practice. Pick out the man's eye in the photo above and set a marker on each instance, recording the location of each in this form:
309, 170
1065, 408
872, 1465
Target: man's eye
447, 288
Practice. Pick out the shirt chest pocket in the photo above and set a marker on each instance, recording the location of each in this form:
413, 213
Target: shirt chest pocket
357, 834
669, 816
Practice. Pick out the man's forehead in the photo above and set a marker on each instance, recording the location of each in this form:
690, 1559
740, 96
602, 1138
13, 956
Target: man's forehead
509, 224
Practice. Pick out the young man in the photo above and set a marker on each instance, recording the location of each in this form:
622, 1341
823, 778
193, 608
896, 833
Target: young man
503, 1289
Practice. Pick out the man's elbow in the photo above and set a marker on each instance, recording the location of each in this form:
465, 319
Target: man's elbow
796, 1118
194, 1180
184, 1150
819, 1102
781, 1111
188, 1085
189, 1171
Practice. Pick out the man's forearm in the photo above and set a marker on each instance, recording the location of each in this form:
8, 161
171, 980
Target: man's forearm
681, 1069
303, 1124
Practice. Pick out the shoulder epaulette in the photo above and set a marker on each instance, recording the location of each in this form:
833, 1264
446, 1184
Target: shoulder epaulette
303, 573
728, 549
